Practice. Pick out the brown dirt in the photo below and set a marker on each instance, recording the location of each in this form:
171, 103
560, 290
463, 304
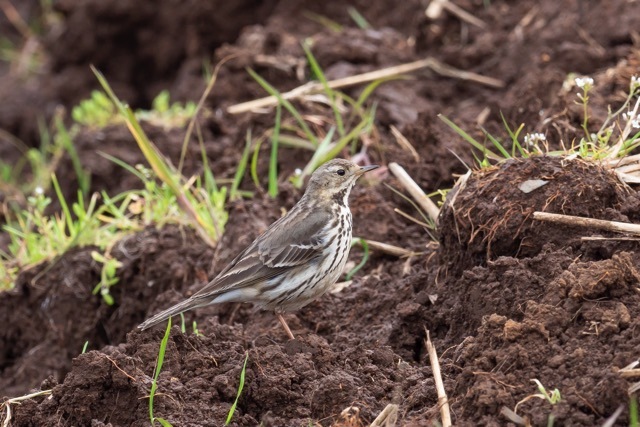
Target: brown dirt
506, 300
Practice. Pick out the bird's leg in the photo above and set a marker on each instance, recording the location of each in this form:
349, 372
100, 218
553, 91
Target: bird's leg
285, 326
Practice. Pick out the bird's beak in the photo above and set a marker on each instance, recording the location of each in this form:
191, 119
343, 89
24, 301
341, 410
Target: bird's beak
364, 169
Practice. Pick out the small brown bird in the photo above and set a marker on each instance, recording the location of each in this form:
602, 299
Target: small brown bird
297, 259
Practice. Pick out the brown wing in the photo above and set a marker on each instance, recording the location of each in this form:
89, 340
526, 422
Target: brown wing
290, 242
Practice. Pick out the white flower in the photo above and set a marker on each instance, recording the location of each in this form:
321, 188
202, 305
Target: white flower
297, 172
584, 83
634, 84
38, 190
634, 120
531, 139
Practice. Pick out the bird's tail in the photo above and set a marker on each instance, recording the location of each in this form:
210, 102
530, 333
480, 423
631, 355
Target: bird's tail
171, 311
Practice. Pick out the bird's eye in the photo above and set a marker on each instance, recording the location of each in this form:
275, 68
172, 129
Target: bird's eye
340, 172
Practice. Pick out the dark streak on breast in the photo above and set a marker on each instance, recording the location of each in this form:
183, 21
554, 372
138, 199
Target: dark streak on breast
339, 197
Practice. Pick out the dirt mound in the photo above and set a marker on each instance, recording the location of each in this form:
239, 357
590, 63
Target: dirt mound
285, 384
53, 312
570, 324
490, 214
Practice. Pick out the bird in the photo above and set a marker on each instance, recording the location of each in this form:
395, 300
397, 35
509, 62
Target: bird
296, 259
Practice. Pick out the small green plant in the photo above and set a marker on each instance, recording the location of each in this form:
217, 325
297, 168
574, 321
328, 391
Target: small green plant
196, 331
96, 111
25, 59
619, 133
617, 137
99, 111
634, 420
107, 275
35, 236
553, 398
232, 410
167, 114
38, 163
156, 374
100, 219
349, 122
196, 201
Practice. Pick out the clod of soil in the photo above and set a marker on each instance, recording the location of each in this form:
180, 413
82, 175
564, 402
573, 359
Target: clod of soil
489, 214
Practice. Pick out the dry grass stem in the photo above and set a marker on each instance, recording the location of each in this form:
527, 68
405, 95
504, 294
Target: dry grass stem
616, 239
611, 421
13, 16
416, 192
628, 178
513, 417
600, 224
390, 249
434, 10
442, 394
383, 73
404, 143
410, 218
618, 162
7, 403
387, 418
631, 373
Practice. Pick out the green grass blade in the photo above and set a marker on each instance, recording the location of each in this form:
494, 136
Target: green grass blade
286, 104
123, 165
163, 170
371, 87
209, 179
158, 368
633, 411
331, 94
344, 141
316, 159
365, 258
232, 410
515, 144
360, 21
324, 21
63, 204
497, 144
241, 168
469, 138
84, 179
273, 158
254, 162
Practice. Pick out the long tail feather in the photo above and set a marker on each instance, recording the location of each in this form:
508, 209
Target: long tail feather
171, 311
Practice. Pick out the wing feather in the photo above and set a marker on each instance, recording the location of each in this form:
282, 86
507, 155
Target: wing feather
274, 253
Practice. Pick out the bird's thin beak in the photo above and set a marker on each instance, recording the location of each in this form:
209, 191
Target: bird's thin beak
364, 169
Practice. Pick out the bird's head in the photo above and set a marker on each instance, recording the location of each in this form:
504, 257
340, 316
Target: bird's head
335, 179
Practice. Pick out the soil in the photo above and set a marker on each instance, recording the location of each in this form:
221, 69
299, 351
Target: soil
505, 299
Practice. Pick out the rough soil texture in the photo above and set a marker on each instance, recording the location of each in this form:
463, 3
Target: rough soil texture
506, 299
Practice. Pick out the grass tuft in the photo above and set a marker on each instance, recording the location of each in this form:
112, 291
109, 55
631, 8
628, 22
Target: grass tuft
156, 374
232, 410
